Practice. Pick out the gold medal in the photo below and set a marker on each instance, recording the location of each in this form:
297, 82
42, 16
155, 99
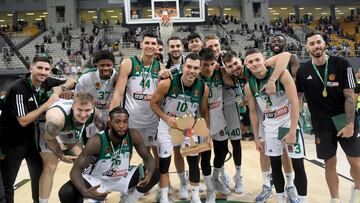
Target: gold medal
324, 92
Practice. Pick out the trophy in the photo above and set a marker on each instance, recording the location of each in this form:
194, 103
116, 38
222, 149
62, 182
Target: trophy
186, 127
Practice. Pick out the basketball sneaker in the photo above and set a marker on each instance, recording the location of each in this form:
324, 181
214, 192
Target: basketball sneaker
183, 191
264, 194
211, 198
238, 188
292, 194
220, 187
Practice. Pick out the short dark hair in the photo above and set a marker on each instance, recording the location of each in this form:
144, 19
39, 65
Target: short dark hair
193, 35
116, 110
103, 55
206, 54
252, 51
228, 56
310, 34
40, 58
192, 56
160, 42
149, 34
174, 38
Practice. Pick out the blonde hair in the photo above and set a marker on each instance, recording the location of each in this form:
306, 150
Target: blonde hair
83, 98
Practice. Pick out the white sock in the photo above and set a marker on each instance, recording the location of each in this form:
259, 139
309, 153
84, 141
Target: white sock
209, 184
195, 192
222, 171
41, 200
303, 199
290, 179
164, 192
281, 197
183, 178
266, 178
216, 173
238, 171
135, 195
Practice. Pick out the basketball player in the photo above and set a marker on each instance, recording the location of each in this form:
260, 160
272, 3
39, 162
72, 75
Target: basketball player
104, 165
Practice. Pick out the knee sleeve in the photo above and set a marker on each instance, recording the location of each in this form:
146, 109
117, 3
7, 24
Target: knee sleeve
205, 163
69, 194
194, 170
220, 151
300, 176
164, 165
277, 174
236, 145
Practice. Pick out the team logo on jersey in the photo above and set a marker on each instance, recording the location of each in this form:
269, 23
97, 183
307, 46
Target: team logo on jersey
137, 68
155, 70
196, 93
107, 151
221, 133
97, 85
332, 77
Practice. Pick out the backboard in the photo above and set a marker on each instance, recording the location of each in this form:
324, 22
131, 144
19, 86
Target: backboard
150, 11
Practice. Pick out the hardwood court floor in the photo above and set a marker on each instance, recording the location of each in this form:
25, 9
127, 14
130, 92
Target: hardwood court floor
317, 187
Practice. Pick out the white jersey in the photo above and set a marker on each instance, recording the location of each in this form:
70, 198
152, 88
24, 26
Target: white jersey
215, 102
141, 85
70, 133
275, 108
101, 90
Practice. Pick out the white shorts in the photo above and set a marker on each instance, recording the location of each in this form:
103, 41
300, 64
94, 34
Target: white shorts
149, 135
118, 184
232, 118
275, 147
68, 140
220, 136
261, 132
164, 142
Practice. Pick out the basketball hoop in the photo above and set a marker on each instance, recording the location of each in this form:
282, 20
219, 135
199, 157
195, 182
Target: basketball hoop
166, 24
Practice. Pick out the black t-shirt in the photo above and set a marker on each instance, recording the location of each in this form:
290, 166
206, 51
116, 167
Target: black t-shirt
21, 99
357, 88
340, 77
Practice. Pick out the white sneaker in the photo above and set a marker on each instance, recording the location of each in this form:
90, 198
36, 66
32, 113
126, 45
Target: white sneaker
195, 200
220, 187
167, 200
183, 192
202, 187
238, 182
211, 198
225, 179
158, 193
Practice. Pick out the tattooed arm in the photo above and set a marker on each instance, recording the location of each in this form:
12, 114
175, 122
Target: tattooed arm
348, 130
55, 120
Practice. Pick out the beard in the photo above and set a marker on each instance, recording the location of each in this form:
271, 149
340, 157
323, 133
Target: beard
316, 54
